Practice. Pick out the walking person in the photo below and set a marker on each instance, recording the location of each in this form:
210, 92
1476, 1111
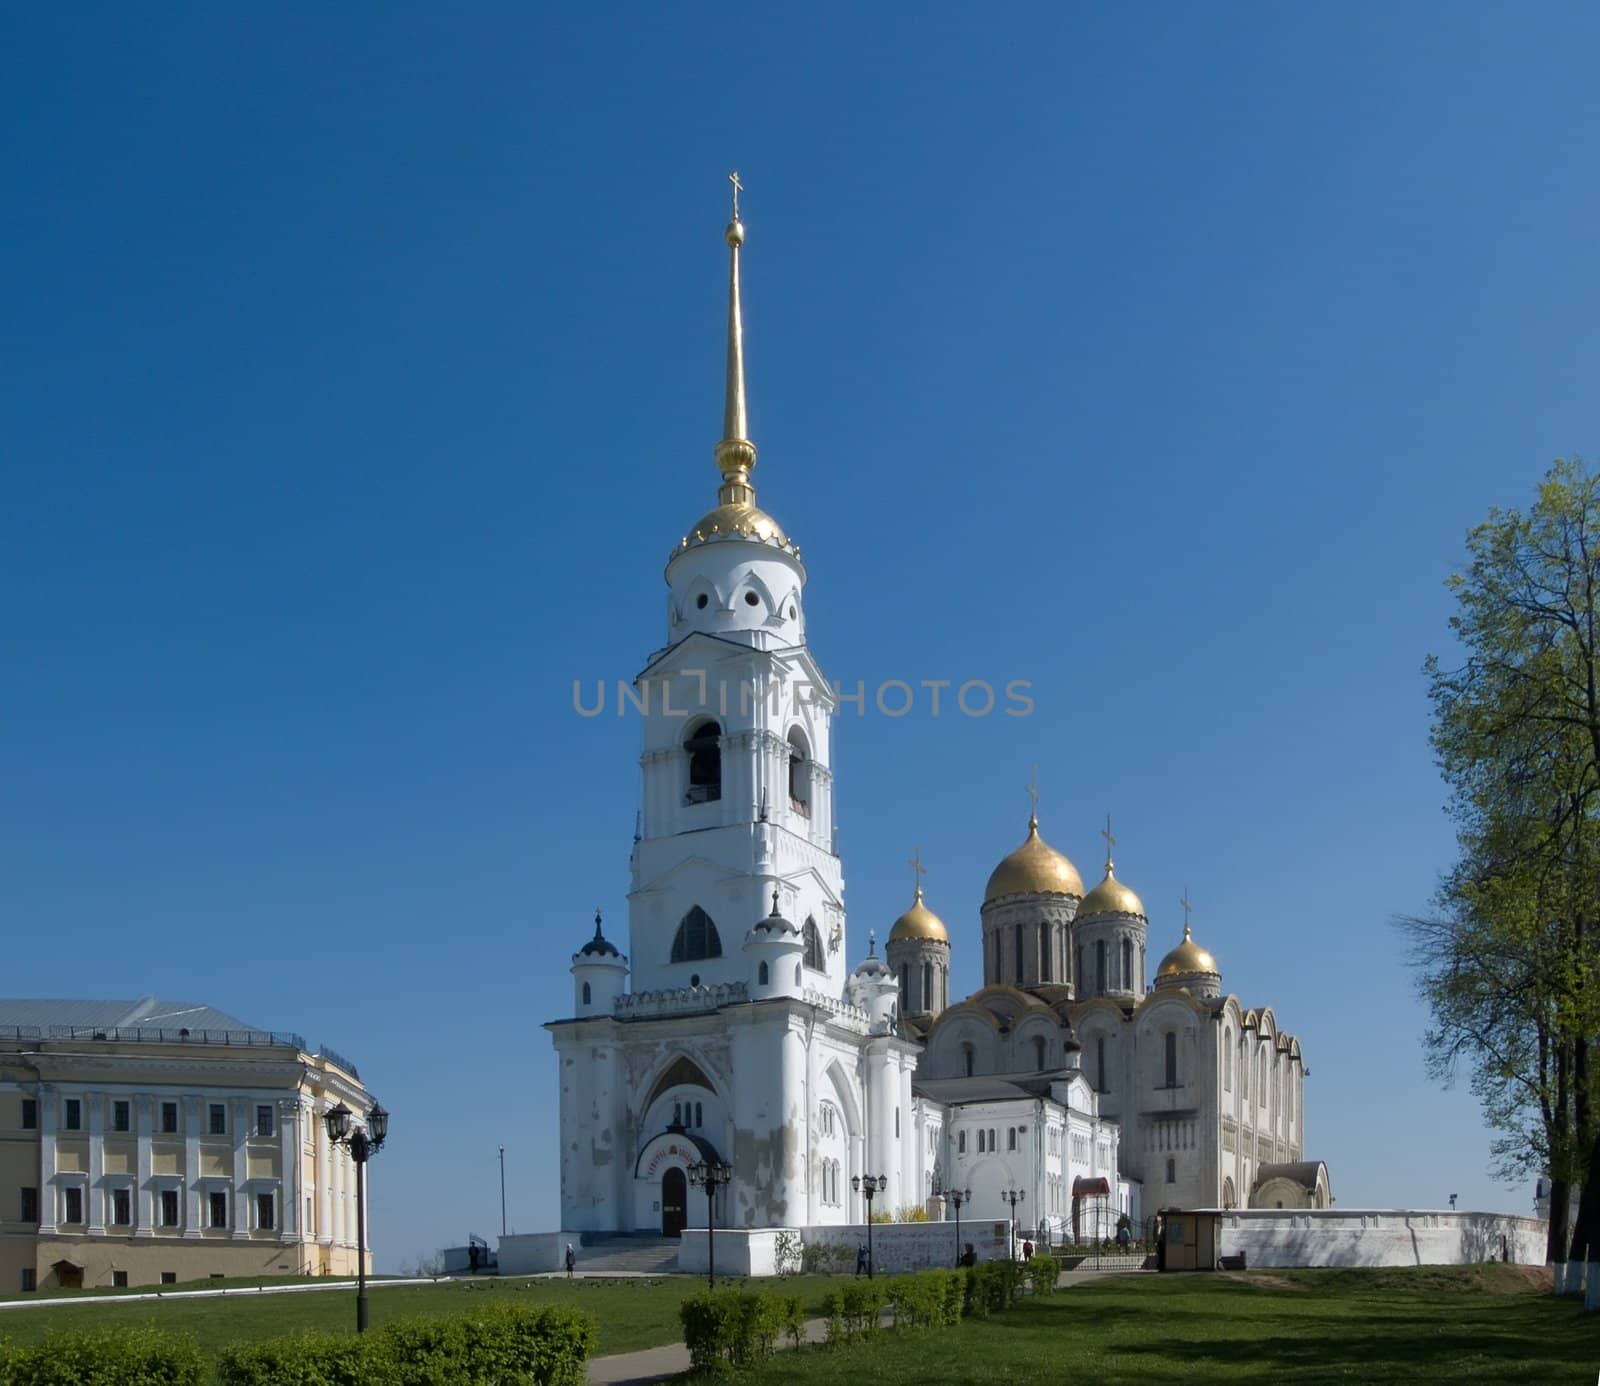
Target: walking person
572, 1260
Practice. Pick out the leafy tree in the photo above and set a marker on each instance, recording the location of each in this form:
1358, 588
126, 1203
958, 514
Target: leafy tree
1509, 966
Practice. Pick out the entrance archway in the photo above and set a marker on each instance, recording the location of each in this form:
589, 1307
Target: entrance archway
674, 1202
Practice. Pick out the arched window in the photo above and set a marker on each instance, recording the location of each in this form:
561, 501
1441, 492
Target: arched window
1227, 1060
961, 1142
1038, 1051
1261, 1077
1127, 964
1100, 1064
1016, 953
1244, 1069
905, 986
1011, 1138
1172, 1171
797, 974
980, 1140
1099, 964
927, 986
1044, 952
696, 938
705, 763
762, 975
1077, 971
587, 998
1172, 1059
814, 946
799, 774
966, 1053
699, 1116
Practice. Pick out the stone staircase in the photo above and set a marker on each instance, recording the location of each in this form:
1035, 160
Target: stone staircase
637, 1255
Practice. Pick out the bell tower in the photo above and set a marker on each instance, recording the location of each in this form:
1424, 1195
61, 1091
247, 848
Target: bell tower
736, 780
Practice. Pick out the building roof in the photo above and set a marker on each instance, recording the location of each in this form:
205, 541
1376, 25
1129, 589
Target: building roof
148, 1013
952, 1092
1301, 1172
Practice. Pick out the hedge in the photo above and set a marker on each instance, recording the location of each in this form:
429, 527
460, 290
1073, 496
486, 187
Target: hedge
855, 1310
991, 1286
729, 1329
928, 1299
131, 1357
542, 1346
1043, 1272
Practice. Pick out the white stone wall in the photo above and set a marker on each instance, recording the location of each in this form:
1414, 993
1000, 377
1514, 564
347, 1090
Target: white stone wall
1378, 1237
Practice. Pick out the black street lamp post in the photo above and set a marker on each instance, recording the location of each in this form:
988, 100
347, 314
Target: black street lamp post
958, 1197
869, 1185
710, 1175
1013, 1197
363, 1143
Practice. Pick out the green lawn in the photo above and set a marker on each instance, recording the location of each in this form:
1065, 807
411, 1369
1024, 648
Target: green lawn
1415, 1325
631, 1313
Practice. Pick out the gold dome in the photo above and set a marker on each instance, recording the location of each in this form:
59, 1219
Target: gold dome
1035, 868
1110, 897
1186, 958
741, 520
918, 922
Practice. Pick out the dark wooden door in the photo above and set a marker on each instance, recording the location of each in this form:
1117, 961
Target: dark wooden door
674, 1203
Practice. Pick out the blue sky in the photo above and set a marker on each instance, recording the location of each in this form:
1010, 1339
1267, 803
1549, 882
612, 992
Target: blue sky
362, 365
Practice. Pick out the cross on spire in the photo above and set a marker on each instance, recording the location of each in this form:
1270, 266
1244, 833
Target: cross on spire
916, 865
738, 188
1111, 842
1033, 793
1186, 908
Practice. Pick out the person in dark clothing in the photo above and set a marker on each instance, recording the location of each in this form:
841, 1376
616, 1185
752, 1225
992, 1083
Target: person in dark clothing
861, 1259
1027, 1251
969, 1257
572, 1260
472, 1256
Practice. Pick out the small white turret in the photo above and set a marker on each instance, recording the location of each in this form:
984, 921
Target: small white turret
599, 974
874, 989
775, 948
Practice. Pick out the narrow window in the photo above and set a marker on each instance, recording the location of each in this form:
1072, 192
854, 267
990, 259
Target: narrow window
905, 986
1016, 952
1172, 1171
966, 1053
72, 1205
121, 1116
1172, 1059
1011, 1138
705, 763
897, 1123
1100, 964
699, 1118
30, 1114
29, 1209
993, 1144
1077, 972
980, 1140
927, 986
1127, 964
696, 938
961, 1144
169, 1118
30, 1279
1044, 952
763, 977
121, 1207
1038, 1051
1227, 1060
588, 996
219, 1209
72, 1118
799, 775
813, 939
1100, 1064
169, 1207
266, 1212
219, 1119
797, 974
264, 1125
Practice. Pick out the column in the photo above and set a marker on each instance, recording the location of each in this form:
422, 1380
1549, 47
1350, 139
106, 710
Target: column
243, 1114
48, 1100
289, 1169
191, 1165
144, 1110
324, 1176
95, 1102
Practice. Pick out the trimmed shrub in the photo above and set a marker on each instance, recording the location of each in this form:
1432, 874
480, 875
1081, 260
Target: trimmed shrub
729, 1329
854, 1311
925, 1300
1043, 1272
991, 1286
548, 1345
131, 1357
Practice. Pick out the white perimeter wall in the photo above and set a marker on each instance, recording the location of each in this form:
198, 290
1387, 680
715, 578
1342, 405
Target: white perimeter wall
1377, 1237
896, 1246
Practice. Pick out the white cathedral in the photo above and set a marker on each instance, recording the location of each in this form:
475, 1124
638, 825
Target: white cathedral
746, 1037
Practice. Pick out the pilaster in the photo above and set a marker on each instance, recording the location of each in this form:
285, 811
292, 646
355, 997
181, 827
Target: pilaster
95, 1213
144, 1125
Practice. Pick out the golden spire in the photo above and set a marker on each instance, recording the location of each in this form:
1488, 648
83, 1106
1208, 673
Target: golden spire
736, 454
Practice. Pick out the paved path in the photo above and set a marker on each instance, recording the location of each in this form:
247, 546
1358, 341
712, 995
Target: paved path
672, 1359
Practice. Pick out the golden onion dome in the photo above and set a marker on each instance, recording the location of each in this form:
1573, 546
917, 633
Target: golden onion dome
1035, 868
1110, 897
1188, 957
739, 520
918, 922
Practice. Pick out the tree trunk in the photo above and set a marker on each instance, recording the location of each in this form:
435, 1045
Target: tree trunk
1586, 1231
1587, 1235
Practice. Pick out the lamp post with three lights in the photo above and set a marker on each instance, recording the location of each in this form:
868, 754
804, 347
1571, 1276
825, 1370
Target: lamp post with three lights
710, 1175
958, 1197
363, 1142
1013, 1197
869, 1184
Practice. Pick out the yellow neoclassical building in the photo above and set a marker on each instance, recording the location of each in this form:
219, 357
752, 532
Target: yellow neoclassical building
149, 1142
